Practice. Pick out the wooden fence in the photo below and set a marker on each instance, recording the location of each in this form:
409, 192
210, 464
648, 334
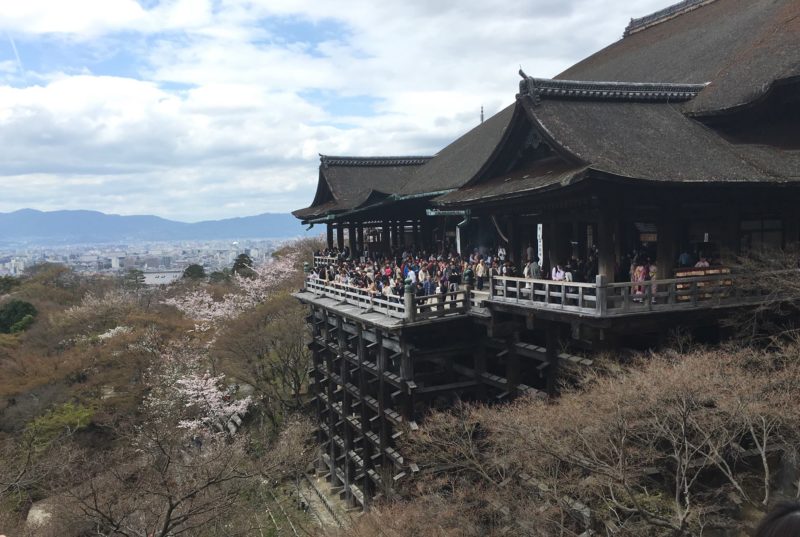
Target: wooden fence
409, 307
597, 299
602, 299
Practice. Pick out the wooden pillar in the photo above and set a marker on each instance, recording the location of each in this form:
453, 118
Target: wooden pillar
399, 228
515, 244
549, 239
345, 431
330, 236
667, 245
512, 364
479, 365
318, 378
332, 417
352, 240
383, 433
415, 233
340, 236
367, 450
552, 350
360, 238
385, 232
407, 374
607, 238
731, 246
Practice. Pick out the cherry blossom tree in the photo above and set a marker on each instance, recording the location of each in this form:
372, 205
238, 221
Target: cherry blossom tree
250, 291
208, 402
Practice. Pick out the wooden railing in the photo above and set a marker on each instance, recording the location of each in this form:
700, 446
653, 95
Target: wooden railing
356, 296
598, 299
604, 299
320, 260
409, 308
545, 294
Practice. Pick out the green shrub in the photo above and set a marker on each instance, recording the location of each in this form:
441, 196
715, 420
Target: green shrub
14, 312
62, 420
22, 324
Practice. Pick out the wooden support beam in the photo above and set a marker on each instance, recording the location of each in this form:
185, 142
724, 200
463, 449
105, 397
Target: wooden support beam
340, 236
512, 364
553, 348
453, 386
607, 239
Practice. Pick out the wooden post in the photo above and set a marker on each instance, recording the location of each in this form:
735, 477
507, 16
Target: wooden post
366, 453
552, 350
415, 233
602, 298
514, 244
346, 430
733, 231
332, 418
606, 239
425, 231
667, 243
352, 240
383, 433
407, 374
385, 239
397, 242
479, 359
549, 240
575, 240
340, 236
512, 364
330, 236
410, 303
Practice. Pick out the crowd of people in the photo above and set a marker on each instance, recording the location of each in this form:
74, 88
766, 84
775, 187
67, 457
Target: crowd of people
432, 274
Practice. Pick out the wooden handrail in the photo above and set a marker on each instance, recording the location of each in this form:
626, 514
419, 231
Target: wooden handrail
444, 304
608, 299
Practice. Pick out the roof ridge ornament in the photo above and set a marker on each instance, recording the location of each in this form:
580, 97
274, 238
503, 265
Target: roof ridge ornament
670, 12
328, 160
546, 88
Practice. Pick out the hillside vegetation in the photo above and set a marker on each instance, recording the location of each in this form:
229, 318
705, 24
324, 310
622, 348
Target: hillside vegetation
135, 411
672, 444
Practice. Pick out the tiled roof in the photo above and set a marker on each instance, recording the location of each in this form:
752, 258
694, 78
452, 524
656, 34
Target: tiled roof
641, 23
739, 46
540, 88
326, 160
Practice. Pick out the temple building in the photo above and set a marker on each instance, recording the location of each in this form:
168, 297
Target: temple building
680, 142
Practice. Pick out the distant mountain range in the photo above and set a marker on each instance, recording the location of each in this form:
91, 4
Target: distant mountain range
28, 226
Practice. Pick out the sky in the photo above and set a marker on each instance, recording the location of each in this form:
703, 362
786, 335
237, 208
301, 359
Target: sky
207, 109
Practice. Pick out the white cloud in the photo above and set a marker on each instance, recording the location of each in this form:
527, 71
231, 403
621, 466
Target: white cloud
224, 117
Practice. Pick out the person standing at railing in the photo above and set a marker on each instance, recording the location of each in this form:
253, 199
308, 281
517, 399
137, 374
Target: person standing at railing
558, 274
533, 270
469, 275
639, 275
372, 289
454, 278
480, 274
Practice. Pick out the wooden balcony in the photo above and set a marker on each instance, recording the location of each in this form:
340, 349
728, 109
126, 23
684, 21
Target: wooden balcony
389, 312
713, 289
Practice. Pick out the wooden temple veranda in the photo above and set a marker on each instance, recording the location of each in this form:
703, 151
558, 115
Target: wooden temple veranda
681, 139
